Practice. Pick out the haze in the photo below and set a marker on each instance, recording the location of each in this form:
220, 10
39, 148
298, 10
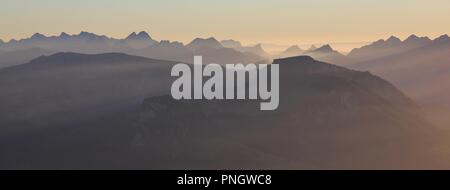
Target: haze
252, 21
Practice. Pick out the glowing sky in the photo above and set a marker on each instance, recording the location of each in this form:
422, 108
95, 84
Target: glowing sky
250, 21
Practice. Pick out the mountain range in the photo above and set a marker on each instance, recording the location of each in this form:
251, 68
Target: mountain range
68, 102
391, 46
421, 71
291, 51
256, 49
327, 54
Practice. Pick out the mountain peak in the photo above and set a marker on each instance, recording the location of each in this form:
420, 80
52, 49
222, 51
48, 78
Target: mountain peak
205, 39
38, 36
140, 36
393, 39
258, 46
413, 37
140, 40
293, 48
443, 38
210, 42
325, 48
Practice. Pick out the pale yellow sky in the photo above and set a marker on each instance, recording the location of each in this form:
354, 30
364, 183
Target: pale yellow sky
250, 21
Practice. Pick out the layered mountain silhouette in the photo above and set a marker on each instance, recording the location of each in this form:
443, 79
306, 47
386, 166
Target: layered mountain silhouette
421, 72
84, 42
256, 49
199, 43
113, 111
211, 50
391, 46
327, 54
291, 52
312, 48
16, 57
140, 40
418, 66
140, 44
71, 87
324, 53
328, 117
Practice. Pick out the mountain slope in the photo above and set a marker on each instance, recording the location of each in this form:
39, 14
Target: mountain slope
329, 118
198, 43
211, 50
391, 46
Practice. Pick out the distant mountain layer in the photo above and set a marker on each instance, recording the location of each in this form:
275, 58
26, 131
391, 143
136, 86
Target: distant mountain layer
291, 51
66, 87
140, 44
16, 57
421, 72
391, 46
328, 54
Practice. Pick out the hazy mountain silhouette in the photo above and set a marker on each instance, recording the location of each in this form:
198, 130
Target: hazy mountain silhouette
327, 54
328, 118
140, 40
71, 87
199, 43
391, 46
140, 44
72, 110
84, 42
211, 50
421, 72
312, 48
16, 57
231, 43
291, 51
256, 49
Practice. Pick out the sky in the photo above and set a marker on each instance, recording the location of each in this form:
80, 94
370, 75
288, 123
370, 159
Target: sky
250, 21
